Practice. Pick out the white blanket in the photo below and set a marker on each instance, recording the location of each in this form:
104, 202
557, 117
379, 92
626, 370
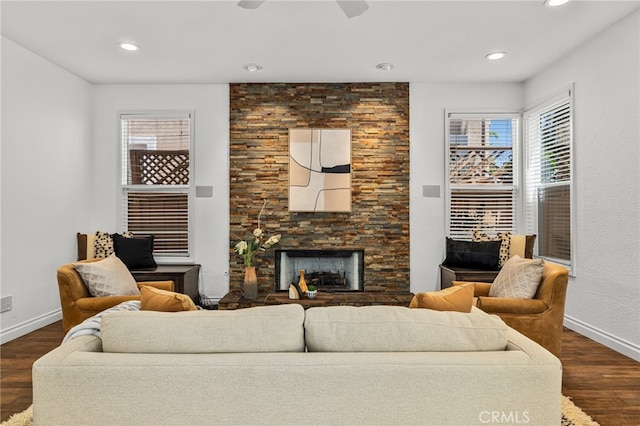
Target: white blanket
92, 325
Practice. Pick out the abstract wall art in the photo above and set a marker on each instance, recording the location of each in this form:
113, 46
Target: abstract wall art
319, 170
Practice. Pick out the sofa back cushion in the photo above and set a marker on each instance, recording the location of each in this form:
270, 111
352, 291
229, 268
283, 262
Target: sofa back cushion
259, 329
400, 329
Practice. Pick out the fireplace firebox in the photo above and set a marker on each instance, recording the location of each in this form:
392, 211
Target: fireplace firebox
328, 270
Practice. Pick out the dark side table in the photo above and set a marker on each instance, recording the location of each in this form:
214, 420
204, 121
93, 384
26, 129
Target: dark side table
184, 277
453, 273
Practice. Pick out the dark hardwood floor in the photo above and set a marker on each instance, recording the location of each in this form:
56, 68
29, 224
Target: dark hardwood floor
16, 358
605, 384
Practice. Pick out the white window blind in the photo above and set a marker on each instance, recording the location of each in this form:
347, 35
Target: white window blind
156, 179
482, 160
548, 180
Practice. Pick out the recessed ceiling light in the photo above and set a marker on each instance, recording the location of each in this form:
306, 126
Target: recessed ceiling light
131, 47
252, 67
494, 56
554, 3
385, 66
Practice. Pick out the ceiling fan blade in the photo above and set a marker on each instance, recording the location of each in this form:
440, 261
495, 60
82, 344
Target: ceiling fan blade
250, 4
353, 8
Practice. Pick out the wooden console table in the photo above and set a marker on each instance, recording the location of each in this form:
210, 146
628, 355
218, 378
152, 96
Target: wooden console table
184, 277
451, 273
237, 301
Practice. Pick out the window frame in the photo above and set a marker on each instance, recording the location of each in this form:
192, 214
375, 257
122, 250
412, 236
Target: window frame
565, 94
189, 189
516, 147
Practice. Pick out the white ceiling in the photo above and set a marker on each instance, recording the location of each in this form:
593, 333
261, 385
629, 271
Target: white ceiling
305, 41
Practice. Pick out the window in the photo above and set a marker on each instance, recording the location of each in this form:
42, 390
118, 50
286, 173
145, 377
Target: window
482, 158
156, 179
548, 181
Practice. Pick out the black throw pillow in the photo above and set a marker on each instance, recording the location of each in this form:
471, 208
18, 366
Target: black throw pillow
136, 253
473, 255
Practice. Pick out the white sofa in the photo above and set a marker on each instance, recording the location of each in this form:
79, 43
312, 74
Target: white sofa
281, 365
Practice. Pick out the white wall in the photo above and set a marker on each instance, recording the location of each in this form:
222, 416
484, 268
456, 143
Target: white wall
604, 297
210, 104
427, 125
67, 130
46, 187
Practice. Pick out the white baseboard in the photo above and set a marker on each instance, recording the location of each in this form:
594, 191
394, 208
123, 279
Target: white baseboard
27, 327
607, 339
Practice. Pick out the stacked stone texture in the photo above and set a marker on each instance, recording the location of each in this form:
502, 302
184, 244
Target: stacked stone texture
378, 116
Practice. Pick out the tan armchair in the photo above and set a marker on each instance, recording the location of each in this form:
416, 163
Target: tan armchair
78, 304
540, 318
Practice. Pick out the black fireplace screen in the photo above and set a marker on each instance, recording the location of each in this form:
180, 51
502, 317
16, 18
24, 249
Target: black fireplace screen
328, 270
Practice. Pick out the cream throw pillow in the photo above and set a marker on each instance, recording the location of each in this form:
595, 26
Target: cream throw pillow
518, 279
108, 277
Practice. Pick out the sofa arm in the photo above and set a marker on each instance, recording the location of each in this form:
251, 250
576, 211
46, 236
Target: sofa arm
479, 289
512, 306
162, 285
97, 304
57, 356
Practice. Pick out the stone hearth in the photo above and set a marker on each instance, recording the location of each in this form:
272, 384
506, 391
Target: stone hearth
358, 298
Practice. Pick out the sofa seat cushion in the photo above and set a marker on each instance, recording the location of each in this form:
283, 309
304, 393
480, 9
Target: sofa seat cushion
259, 329
401, 329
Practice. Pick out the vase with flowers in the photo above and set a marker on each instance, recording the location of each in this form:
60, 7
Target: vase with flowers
250, 248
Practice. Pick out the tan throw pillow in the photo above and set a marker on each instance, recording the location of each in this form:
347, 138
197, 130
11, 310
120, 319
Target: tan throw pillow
108, 277
518, 279
458, 298
154, 299
522, 245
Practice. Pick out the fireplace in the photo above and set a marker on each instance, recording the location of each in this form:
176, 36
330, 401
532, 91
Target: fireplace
328, 270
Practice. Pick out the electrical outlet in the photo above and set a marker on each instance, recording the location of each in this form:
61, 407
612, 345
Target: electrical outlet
5, 304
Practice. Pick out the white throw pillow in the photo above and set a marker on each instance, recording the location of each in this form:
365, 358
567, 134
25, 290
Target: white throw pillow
108, 277
518, 279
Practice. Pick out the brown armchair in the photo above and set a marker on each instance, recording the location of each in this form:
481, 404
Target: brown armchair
78, 304
539, 318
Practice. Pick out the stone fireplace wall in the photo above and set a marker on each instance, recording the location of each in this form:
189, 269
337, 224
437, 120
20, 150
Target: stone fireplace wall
378, 116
